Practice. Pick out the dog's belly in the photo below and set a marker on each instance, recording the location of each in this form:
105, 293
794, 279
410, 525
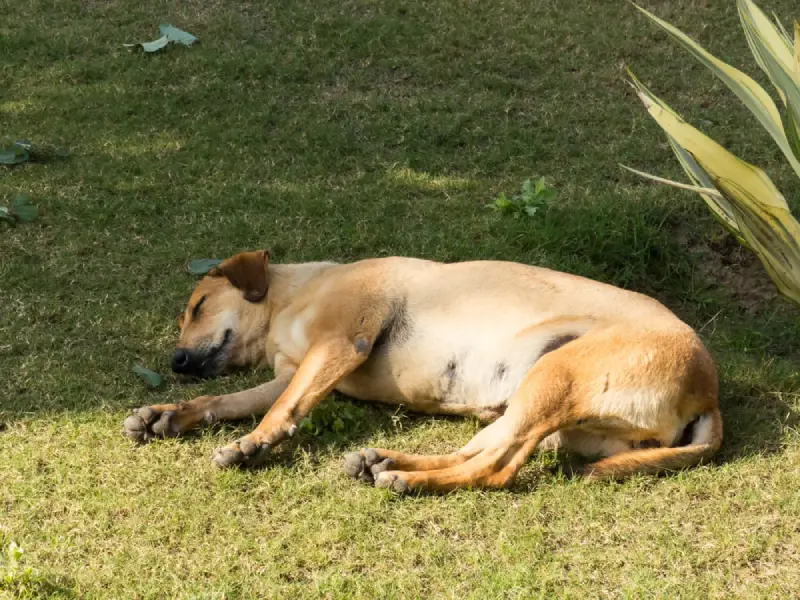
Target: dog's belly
444, 363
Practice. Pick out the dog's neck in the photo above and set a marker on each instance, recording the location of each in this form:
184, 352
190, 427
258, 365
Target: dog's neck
283, 282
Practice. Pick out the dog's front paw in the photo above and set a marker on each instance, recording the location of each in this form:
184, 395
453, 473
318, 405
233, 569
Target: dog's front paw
248, 451
148, 422
366, 465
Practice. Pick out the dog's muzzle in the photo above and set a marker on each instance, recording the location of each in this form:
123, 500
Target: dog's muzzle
181, 361
186, 362
201, 363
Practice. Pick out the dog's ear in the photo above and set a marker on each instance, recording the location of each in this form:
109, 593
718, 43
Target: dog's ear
246, 271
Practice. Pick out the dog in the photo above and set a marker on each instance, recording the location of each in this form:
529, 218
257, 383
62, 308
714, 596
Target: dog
545, 359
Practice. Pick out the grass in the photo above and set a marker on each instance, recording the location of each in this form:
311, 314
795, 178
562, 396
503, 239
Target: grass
342, 130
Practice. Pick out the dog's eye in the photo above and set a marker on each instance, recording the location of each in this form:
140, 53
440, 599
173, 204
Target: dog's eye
196, 309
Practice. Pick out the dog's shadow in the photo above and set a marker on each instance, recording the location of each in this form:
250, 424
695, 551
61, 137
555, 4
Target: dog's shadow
754, 422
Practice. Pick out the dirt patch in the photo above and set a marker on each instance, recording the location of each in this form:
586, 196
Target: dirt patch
723, 261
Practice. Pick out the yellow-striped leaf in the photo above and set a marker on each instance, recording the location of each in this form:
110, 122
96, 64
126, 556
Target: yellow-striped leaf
774, 55
759, 209
777, 43
676, 184
793, 127
797, 48
719, 205
746, 89
782, 29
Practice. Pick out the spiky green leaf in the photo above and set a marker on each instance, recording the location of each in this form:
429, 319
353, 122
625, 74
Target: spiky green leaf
759, 211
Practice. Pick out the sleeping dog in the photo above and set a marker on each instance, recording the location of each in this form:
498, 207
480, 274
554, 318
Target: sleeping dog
546, 359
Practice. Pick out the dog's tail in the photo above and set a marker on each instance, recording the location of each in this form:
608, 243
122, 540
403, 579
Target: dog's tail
706, 437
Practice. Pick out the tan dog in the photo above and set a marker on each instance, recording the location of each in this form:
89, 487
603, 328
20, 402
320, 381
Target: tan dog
549, 359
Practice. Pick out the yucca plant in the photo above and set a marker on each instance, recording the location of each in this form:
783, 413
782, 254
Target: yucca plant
741, 196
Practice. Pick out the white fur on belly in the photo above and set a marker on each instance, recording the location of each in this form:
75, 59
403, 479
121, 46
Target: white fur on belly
584, 443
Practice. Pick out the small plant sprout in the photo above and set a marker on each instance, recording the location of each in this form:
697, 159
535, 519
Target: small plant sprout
533, 196
14, 576
333, 421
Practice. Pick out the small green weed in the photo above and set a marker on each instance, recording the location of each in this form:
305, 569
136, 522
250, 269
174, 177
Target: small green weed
333, 421
14, 576
532, 197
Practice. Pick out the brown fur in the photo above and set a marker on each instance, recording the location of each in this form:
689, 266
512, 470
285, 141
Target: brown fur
548, 359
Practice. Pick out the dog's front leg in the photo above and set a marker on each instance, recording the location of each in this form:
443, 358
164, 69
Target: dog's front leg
319, 372
170, 420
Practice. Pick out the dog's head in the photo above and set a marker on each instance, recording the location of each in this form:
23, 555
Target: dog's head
226, 317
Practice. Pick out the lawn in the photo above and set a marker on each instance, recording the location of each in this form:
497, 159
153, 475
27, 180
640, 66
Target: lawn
345, 130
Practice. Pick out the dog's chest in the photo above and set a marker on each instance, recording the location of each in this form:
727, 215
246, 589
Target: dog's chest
289, 334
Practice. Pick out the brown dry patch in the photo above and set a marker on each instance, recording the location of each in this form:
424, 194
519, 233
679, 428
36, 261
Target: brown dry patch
723, 261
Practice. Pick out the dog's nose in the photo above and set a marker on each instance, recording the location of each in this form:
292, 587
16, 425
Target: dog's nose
180, 360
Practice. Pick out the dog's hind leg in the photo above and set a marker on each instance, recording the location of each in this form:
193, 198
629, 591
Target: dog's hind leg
366, 464
484, 414
493, 457
170, 420
634, 385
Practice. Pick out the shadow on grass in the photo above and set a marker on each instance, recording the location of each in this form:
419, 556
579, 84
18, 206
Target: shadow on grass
754, 423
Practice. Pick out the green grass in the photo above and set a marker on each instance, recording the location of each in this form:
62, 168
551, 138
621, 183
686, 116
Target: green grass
342, 130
